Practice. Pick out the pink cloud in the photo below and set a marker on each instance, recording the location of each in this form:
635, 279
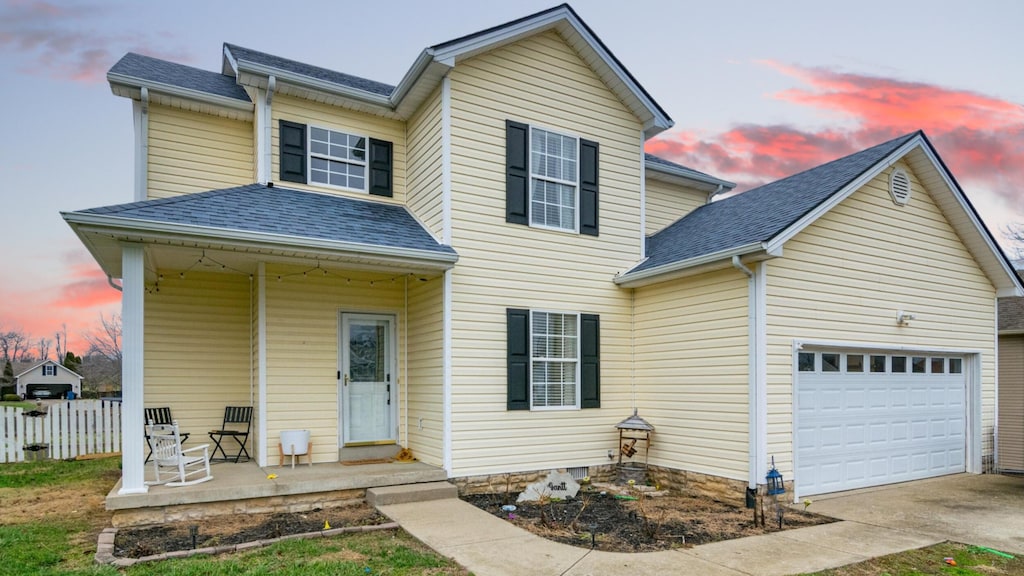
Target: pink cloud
980, 136
83, 294
59, 41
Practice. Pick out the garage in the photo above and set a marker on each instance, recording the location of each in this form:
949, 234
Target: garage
871, 418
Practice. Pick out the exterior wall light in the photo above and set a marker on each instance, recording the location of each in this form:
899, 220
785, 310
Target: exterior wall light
904, 318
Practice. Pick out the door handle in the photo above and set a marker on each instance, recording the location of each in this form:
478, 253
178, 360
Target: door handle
389, 394
346, 379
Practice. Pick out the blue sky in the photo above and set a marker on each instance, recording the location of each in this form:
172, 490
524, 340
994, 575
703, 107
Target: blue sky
758, 90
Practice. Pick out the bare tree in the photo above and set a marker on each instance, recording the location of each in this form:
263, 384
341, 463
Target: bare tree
43, 349
106, 339
1015, 234
62, 342
13, 344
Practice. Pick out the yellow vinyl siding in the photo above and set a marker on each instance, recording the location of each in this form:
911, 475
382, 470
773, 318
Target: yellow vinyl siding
540, 81
845, 277
302, 348
321, 115
692, 371
425, 394
424, 194
667, 203
1011, 402
193, 152
197, 348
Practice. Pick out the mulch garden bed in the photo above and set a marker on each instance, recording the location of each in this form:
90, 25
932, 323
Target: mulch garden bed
137, 542
606, 522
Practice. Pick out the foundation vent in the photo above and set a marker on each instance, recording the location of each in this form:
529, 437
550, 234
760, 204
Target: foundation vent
579, 473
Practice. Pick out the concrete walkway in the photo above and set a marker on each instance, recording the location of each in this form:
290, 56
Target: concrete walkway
986, 510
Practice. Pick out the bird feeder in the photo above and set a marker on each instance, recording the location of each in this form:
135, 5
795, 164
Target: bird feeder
634, 438
776, 485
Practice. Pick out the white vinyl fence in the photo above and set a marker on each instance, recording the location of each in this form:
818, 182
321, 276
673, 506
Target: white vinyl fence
68, 429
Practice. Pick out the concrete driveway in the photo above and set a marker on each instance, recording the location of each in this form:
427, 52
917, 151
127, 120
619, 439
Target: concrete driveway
986, 510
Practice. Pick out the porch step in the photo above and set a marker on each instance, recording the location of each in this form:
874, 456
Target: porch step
385, 495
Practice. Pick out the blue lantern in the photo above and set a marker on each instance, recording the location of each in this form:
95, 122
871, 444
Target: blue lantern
776, 485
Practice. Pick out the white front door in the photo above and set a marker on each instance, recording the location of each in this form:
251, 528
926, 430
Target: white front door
368, 393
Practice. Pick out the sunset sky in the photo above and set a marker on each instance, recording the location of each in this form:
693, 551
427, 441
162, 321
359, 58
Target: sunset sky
758, 91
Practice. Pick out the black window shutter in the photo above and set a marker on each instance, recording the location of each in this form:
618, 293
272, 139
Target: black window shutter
292, 143
590, 361
517, 178
588, 187
380, 168
518, 327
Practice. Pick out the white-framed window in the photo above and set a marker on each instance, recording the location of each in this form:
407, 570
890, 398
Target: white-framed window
554, 360
337, 159
554, 180
49, 370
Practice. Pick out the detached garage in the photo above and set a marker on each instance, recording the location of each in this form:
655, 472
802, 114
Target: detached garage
48, 380
870, 418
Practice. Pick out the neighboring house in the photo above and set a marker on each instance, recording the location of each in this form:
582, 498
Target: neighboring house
481, 264
47, 379
1011, 381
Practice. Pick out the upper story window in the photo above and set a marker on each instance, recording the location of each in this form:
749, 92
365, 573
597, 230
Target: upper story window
337, 159
553, 178
323, 157
49, 370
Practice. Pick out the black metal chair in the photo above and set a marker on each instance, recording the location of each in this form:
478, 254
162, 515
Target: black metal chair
159, 416
237, 422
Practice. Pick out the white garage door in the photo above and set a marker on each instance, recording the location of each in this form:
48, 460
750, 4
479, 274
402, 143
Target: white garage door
865, 419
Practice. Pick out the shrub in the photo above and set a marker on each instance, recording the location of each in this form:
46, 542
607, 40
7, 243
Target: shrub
12, 398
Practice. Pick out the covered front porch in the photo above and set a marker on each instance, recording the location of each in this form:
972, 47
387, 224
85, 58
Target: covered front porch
249, 487
321, 313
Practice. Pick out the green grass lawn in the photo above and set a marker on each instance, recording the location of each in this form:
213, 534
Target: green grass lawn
970, 560
25, 405
52, 513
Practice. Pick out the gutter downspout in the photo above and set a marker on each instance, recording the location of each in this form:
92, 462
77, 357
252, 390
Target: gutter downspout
712, 197
753, 394
110, 280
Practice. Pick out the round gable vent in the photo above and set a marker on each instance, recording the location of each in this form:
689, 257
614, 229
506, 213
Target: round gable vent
899, 187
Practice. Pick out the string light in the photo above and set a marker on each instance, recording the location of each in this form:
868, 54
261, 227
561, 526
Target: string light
209, 260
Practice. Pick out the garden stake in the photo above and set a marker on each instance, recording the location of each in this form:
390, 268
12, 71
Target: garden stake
193, 531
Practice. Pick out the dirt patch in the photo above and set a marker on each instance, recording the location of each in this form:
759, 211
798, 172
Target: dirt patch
606, 522
136, 542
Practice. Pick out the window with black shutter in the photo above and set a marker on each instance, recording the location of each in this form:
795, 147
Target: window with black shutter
551, 179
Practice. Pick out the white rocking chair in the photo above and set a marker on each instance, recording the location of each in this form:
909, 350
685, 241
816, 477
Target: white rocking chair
177, 466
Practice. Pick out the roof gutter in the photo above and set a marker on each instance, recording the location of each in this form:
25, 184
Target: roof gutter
169, 230
171, 90
656, 274
419, 67
314, 83
690, 175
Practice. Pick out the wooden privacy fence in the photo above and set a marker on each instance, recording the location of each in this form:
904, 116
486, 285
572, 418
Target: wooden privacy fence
68, 429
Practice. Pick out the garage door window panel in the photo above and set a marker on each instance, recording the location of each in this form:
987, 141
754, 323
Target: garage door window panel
829, 362
805, 361
899, 364
855, 363
877, 363
919, 365
938, 365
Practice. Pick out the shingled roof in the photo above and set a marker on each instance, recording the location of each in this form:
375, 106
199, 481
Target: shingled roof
1011, 310
240, 53
760, 214
149, 69
286, 212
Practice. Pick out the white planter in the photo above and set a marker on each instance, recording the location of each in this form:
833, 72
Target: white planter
294, 442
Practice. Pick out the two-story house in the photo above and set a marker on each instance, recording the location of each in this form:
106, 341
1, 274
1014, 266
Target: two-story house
481, 264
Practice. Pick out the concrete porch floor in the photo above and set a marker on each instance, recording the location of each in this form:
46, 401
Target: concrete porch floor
248, 481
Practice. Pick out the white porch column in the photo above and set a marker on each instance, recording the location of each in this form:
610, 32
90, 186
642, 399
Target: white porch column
132, 295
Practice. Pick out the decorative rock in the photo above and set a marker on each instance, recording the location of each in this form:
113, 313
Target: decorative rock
556, 485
